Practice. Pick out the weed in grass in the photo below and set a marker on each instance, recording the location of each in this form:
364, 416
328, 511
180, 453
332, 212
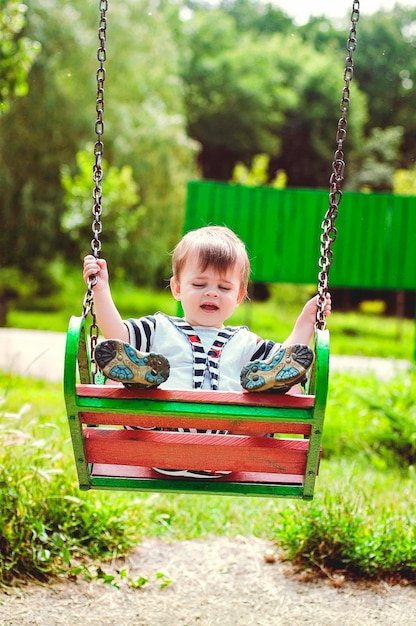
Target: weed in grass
115, 579
353, 532
164, 581
44, 525
139, 582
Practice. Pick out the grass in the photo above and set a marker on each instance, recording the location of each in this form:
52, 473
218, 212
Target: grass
362, 520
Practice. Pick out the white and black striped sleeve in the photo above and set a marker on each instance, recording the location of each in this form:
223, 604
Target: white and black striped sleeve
264, 349
141, 332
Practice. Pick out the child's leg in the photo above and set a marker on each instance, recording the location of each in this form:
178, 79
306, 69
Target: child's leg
287, 367
119, 361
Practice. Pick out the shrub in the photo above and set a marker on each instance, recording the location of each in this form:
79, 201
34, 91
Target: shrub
377, 418
395, 404
44, 523
351, 535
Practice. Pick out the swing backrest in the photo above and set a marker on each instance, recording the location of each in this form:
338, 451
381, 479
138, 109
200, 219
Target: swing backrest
109, 456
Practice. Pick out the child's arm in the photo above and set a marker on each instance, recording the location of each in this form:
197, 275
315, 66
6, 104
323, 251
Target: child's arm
305, 324
108, 317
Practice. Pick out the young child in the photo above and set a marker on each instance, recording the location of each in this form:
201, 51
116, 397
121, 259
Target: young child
210, 274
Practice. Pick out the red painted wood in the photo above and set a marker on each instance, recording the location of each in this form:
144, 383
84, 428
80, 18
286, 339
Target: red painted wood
241, 427
196, 451
205, 397
128, 471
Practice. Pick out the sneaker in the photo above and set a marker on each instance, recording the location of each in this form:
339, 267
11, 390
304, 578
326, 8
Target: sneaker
279, 373
190, 473
119, 361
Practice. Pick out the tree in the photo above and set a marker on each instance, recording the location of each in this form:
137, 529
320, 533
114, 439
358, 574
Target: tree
123, 211
375, 164
274, 94
17, 52
257, 17
45, 127
144, 129
385, 71
235, 107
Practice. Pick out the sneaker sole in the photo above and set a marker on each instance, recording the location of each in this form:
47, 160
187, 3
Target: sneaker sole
287, 368
121, 362
190, 473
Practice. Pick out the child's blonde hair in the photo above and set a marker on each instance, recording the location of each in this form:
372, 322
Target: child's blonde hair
212, 246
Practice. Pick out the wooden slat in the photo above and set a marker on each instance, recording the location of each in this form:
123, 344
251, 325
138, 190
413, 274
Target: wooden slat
128, 471
196, 451
114, 391
235, 426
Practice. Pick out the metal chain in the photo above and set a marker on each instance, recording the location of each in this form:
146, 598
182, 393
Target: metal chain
88, 306
329, 232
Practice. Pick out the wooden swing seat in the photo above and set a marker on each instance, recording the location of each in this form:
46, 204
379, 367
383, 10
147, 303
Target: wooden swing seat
108, 456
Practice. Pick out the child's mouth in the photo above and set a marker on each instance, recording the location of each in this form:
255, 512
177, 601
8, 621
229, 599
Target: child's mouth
209, 307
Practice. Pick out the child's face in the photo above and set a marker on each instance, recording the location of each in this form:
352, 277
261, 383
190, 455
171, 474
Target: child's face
207, 297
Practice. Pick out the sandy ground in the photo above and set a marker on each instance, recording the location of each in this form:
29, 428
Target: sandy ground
220, 582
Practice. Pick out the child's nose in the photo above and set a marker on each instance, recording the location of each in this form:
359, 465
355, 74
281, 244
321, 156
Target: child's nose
211, 292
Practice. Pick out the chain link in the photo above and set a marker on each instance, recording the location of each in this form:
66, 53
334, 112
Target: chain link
97, 176
329, 232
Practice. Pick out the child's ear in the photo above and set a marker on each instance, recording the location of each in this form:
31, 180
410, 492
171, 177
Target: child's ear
241, 295
175, 288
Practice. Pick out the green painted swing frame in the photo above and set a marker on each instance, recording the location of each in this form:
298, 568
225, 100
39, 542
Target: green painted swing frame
108, 456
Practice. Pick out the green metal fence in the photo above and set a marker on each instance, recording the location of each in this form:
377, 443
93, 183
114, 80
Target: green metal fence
375, 246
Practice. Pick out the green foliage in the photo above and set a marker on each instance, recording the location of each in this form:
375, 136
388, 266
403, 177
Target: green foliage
258, 173
44, 525
383, 410
362, 520
45, 128
376, 160
394, 407
404, 181
351, 535
256, 17
385, 66
144, 128
121, 205
12, 283
40, 289
246, 95
238, 78
17, 52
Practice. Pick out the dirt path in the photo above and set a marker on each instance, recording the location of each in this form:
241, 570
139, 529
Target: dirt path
220, 582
